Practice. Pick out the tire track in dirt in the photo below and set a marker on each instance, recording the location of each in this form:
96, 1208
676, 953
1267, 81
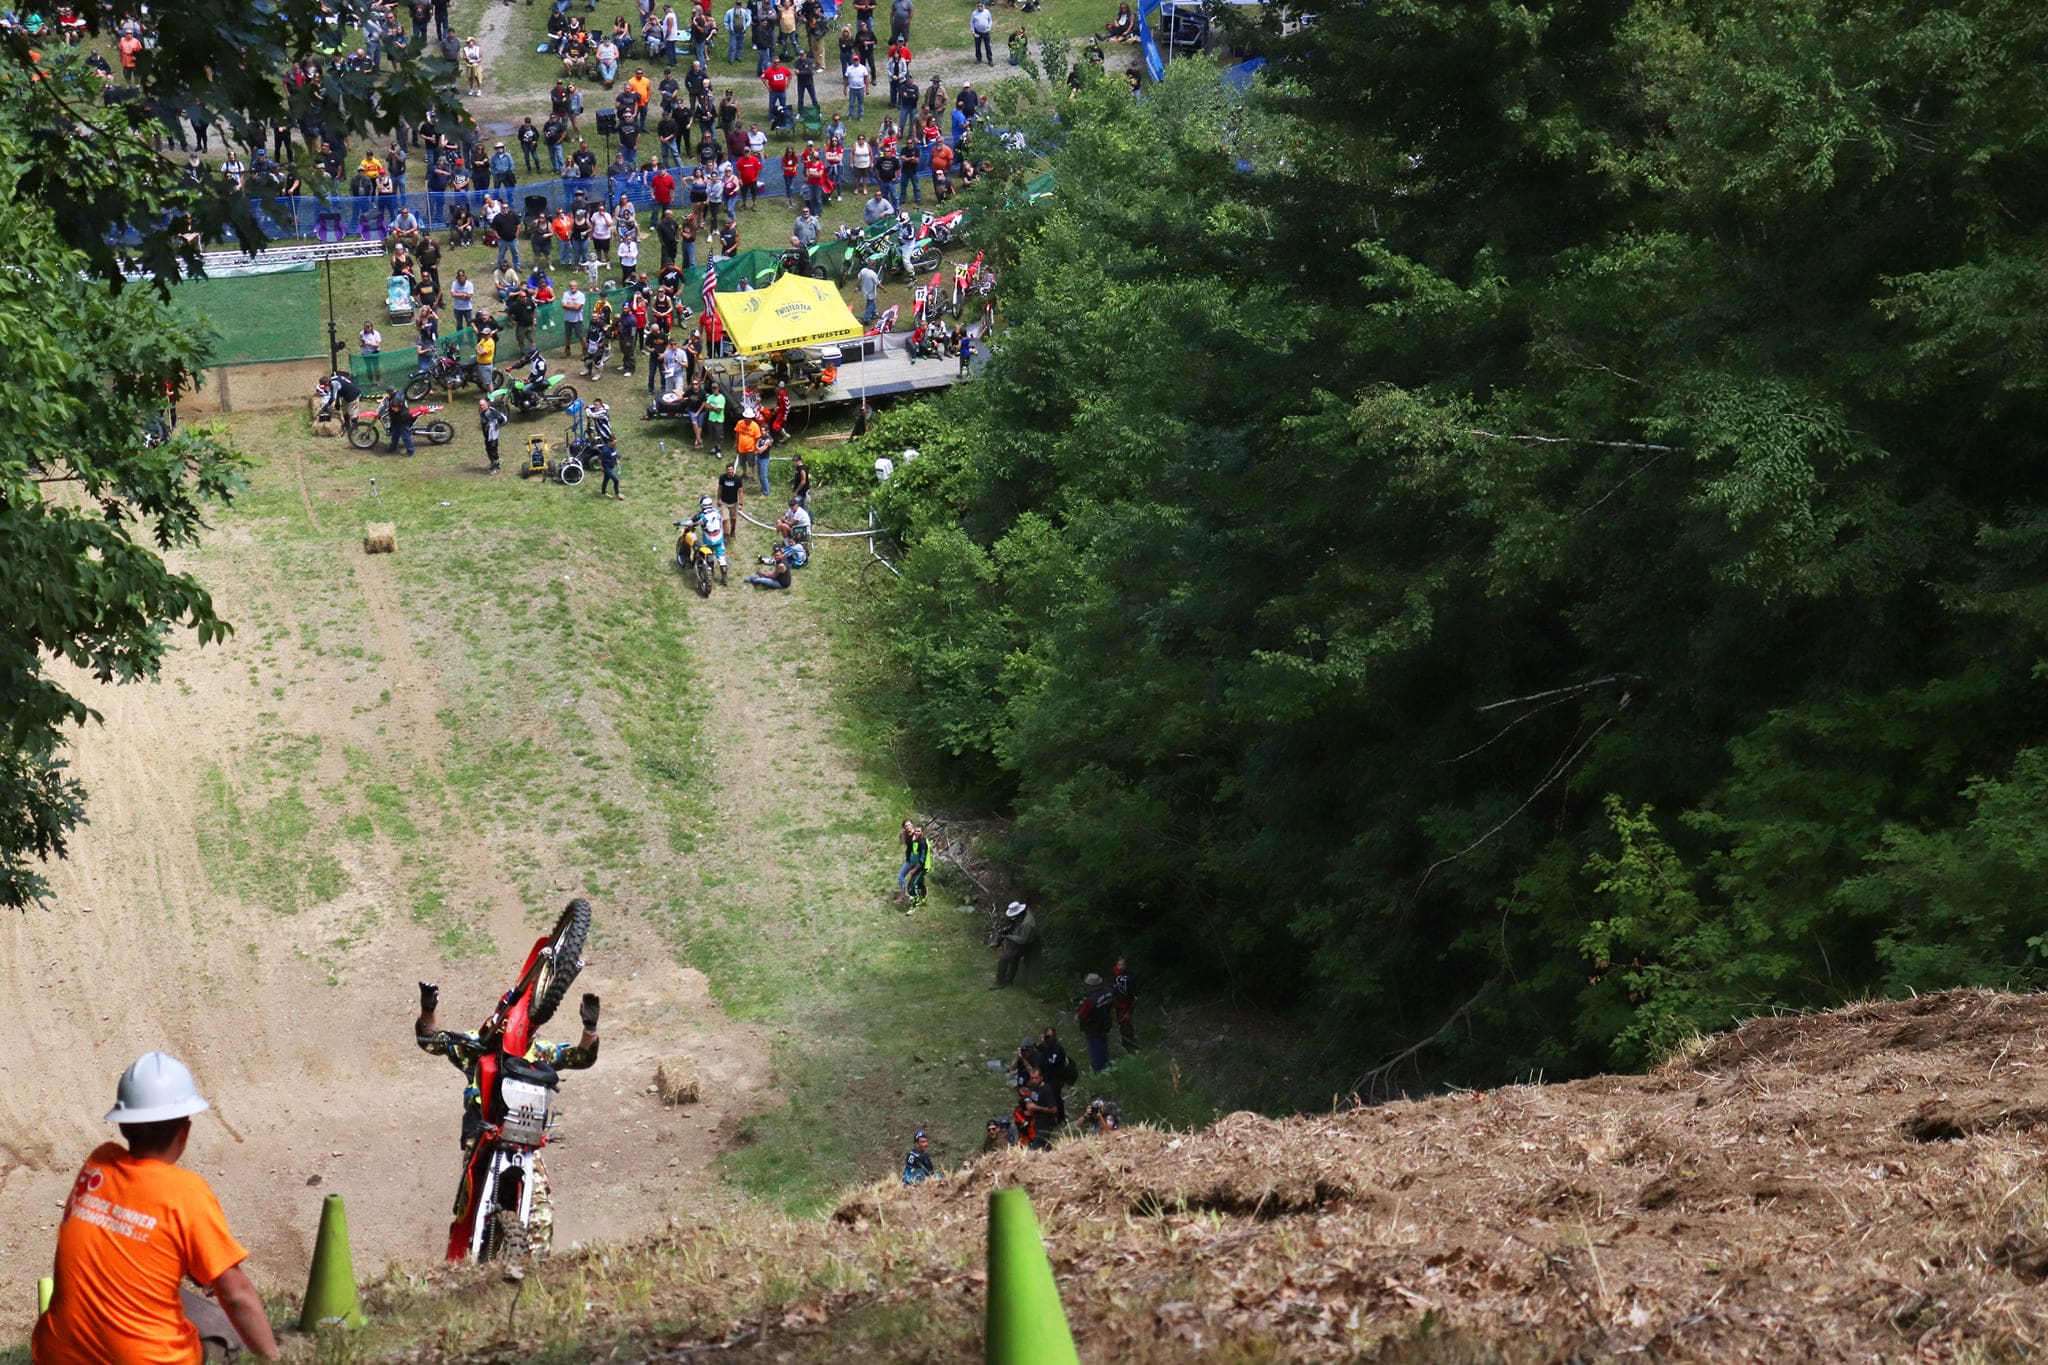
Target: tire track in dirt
305, 499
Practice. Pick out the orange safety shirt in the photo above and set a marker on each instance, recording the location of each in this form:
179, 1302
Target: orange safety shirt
133, 1229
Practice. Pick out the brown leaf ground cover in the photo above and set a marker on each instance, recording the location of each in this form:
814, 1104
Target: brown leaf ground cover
1861, 1185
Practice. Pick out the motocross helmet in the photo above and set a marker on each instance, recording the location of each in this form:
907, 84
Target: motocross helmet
704, 503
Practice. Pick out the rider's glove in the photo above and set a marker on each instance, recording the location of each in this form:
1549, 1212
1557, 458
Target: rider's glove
589, 1012
430, 996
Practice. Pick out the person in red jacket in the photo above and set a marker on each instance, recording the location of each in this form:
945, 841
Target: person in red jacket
663, 187
748, 168
777, 78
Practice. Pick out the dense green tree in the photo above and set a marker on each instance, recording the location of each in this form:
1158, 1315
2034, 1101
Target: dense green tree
1551, 548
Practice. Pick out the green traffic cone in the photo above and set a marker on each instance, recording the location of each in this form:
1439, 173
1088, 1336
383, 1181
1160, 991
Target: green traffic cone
331, 1288
1026, 1324
44, 1288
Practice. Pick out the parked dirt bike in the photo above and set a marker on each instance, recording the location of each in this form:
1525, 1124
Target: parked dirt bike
446, 374
552, 394
494, 1212
364, 432
694, 558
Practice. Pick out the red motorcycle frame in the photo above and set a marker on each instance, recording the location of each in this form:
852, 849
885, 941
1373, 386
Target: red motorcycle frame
498, 1174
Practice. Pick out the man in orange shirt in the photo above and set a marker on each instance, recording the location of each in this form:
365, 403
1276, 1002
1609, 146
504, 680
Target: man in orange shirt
644, 88
134, 1229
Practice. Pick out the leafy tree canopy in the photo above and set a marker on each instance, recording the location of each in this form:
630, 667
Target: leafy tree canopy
1554, 545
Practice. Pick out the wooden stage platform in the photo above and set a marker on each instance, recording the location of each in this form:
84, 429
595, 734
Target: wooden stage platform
890, 372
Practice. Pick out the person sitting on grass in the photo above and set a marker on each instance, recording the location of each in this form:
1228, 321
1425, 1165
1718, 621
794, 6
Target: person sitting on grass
795, 524
1123, 28
777, 575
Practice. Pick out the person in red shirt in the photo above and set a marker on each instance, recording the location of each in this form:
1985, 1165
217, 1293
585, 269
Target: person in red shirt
135, 1228
792, 171
748, 169
815, 179
663, 187
777, 78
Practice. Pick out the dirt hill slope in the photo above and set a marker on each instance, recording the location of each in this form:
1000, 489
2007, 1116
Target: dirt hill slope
1863, 1185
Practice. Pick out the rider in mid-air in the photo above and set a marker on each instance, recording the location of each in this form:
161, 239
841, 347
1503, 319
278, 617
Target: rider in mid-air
466, 1050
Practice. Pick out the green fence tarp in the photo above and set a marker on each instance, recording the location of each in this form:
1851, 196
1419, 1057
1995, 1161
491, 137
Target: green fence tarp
272, 314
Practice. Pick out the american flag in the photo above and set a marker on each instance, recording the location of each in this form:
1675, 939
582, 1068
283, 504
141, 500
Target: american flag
710, 305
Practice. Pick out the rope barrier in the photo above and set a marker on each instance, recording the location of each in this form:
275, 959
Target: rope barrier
815, 531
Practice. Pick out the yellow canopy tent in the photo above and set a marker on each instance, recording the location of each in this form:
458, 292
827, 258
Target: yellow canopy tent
793, 311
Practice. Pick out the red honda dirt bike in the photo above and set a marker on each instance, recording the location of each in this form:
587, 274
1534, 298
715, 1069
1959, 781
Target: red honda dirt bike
494, 1210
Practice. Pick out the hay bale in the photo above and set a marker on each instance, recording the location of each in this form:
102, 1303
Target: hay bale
380, 538
330, 427
675, 1080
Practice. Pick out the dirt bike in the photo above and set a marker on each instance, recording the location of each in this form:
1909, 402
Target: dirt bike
447, 374
523, 400
494, 1210
695, 558
365, 432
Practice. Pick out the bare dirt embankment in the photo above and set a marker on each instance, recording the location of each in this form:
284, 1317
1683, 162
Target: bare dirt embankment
1860, 1186
298, 1025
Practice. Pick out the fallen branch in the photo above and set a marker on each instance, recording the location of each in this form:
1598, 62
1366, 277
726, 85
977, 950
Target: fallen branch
1572, 441
1369, 1084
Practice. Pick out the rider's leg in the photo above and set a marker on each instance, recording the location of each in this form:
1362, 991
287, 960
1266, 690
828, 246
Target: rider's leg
540, 1228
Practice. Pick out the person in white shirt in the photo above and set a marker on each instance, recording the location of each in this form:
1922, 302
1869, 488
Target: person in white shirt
372, 339
981, 24
601, 224
573, 300
856, 89
472, 65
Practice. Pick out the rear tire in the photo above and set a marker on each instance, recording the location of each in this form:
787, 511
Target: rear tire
512, 1237
419, 387
565, 395
558, 972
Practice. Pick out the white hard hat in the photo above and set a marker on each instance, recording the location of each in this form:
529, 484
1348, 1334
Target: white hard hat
909, 454
1016, 909
157, 1087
